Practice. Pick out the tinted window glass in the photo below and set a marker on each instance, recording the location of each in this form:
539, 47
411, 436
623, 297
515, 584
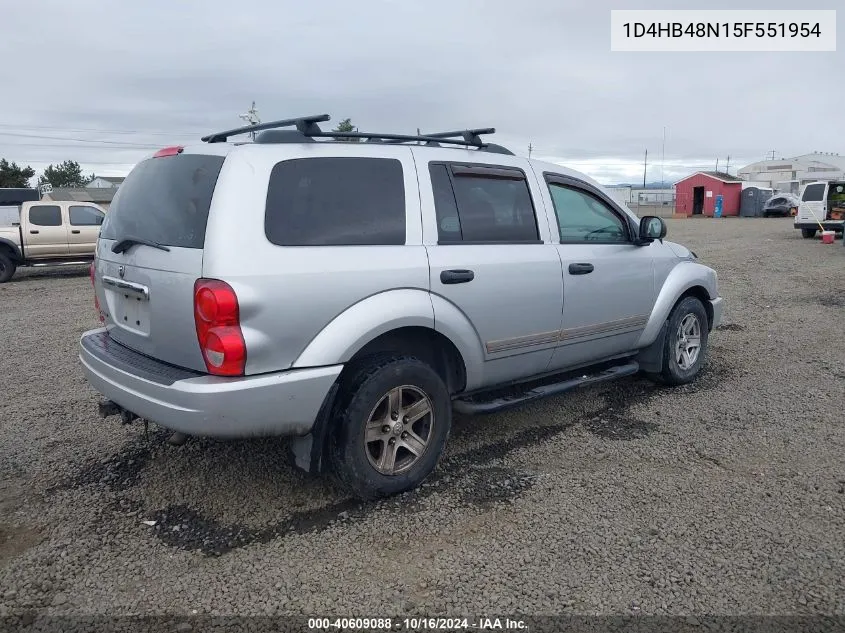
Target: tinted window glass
9, 216
445, 207
165, 200
45, 215
583, 218
813, 193
336, 201
490, 210
85, 216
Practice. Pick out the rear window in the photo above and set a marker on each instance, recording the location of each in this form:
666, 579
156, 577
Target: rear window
813, 193
9, 216
165, 200
336, 202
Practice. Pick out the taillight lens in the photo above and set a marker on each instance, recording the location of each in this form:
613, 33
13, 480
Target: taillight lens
93, 274
217, 318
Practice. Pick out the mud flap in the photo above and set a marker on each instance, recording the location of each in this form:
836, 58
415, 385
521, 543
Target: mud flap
651, 358
308, 449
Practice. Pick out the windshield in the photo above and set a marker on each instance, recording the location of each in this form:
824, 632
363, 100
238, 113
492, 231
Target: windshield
165, 200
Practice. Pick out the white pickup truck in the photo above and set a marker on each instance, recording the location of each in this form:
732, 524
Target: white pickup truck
46, 233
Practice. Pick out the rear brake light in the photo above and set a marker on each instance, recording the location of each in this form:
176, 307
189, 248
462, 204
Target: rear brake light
93, 274
217, 318
169, 151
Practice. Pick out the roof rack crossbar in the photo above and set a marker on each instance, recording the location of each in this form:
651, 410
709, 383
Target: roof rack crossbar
305, 124
472, 136
401, 138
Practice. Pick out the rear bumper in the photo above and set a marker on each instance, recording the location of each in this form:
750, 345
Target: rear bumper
829, 225
716, 305
283, 403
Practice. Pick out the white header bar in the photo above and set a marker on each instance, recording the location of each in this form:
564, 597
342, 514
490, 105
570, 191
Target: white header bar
723, 31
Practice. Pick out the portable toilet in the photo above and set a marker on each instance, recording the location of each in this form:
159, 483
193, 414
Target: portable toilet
753, 201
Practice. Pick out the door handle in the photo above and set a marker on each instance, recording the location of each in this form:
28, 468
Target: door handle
75, 231
580, 269
456, 276
33, 231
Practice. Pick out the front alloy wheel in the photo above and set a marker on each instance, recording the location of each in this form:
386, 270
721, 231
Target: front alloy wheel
689, 342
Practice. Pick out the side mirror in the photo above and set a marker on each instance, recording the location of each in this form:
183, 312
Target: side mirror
651, 228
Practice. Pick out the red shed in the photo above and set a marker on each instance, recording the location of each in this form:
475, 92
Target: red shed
696, 194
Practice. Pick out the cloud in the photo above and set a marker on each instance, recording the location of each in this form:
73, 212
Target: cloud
541, 72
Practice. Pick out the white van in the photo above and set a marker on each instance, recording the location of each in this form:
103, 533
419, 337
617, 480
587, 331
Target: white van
821, 203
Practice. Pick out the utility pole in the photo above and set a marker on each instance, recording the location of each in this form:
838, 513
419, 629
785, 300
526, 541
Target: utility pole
530, 148
663, 159
717, 164
728, 165
251, 117
645, 166
773, 154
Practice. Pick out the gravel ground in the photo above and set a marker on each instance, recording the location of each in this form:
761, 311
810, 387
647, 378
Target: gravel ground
721, 497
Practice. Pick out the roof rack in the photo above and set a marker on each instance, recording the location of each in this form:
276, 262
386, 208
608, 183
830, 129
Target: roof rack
306, 125
307, 130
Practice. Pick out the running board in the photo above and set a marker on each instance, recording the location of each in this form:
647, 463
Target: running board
60, 263
491, 406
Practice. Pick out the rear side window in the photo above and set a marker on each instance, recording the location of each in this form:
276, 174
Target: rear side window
165, 200
813, 193
85, 216
336, 202
45, 215
482, 204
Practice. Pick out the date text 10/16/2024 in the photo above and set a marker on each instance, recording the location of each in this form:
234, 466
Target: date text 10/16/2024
416, 624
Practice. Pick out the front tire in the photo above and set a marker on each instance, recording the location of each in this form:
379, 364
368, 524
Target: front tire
390, 427
7, 268
808, 233
686, 343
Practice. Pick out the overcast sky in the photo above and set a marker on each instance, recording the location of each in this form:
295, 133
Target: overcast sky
122, 78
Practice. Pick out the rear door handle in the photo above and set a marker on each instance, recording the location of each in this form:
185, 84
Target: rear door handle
456, 276
75, 231
33, 231
580, 269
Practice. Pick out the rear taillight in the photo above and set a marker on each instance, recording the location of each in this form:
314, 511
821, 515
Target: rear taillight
218, 324
93, 274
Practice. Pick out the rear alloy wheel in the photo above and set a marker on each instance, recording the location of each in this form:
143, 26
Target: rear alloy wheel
7, 268
808, 233
686, 343
390, 426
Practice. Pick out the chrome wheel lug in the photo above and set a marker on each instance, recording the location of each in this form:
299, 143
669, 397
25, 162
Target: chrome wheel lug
385, 429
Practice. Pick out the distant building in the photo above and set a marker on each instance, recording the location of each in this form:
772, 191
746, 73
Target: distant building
636, 196
105, 182
791, 174
696, 194
98, 195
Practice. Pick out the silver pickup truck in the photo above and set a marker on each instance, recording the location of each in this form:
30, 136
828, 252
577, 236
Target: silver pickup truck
354, 294
36, 233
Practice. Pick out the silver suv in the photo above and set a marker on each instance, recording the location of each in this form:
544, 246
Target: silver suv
352, 289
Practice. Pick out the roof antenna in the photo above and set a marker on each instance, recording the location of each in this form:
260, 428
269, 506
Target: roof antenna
251, 117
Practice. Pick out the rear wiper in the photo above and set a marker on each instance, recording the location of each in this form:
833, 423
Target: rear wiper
121, 246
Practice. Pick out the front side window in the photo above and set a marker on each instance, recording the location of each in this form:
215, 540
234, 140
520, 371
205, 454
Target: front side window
86, 216
336, 202
582, 217
482, 204
45, 215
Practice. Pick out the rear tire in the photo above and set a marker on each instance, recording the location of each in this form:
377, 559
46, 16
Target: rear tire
7, 267
808, 233
390, 426
681, 361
